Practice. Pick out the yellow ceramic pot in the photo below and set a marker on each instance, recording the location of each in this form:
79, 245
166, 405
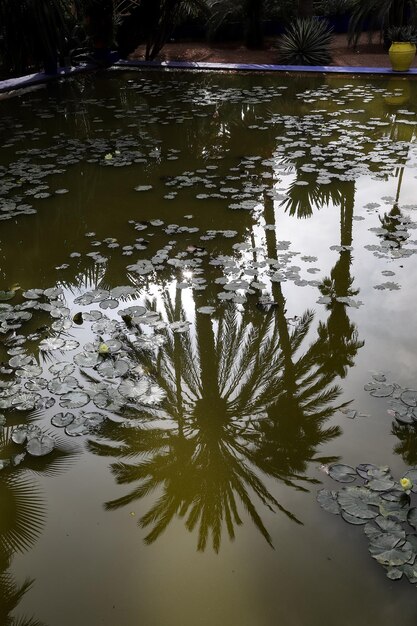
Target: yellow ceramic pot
401, 54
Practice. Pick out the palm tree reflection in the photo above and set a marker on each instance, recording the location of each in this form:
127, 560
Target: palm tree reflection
236, 414
22, 515
339, 333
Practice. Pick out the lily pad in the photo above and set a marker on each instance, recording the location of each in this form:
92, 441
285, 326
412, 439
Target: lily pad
110, 369
328, 501
389, 550
60, 387
357, 501
409, 397
74, 400
352, 519
62, 369
52, 343
7, 295
412, 475
394, 573
60, 420
77, 427
363, 468
383, 525
342, 473
40, 446
382, 391
412, 517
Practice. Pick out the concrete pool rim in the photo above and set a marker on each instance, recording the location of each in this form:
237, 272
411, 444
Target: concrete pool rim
31, 80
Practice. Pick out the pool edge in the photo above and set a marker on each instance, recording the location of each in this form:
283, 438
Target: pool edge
39, 78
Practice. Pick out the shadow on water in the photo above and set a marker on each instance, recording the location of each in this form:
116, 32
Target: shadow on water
23, 513
244, 402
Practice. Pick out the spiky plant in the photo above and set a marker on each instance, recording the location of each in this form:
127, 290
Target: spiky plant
402, 33
306, 42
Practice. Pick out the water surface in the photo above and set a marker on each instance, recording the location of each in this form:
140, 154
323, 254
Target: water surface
204, 272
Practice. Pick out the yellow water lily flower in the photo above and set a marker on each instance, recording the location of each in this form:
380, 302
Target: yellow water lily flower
406, 484
108, 156
103, 348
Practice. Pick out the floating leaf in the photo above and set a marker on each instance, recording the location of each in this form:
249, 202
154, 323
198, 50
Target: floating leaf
412, 475
412, 517
409, 397
357, 501
87, 359
363, 468
74, 400
69, 383
382, 391
52, 343
62, 369
389, 550
383, 525
206, 310
7, 295
116, 369
342, 473
352, 519
328, 501
40, 446
394, 573
77, 427
60, 420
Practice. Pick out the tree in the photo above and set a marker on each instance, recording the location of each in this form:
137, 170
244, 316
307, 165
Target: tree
153, 21
249, 12
34, 32
379, 15
305, 8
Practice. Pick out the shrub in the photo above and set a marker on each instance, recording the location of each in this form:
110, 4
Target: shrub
306, 42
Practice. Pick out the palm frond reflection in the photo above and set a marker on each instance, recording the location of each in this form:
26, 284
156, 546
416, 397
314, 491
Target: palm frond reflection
234, 414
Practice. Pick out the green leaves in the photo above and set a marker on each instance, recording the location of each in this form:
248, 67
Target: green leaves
342, 473
328, 501
358, 501
383, 509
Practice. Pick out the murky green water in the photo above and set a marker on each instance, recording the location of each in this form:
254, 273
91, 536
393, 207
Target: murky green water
217, 304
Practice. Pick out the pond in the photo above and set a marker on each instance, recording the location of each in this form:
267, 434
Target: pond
207, 322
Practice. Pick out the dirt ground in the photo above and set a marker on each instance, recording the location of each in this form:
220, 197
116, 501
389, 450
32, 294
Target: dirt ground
366, 54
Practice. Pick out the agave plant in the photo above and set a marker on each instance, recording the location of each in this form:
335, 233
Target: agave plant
402, 33
306, 42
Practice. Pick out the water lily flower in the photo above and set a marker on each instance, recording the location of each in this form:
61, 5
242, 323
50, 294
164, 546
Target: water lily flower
406, 484
103, 348
108, 156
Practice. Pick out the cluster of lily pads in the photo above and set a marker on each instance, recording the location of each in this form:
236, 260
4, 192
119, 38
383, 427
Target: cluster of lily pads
384, 507
300, 135
402, 401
